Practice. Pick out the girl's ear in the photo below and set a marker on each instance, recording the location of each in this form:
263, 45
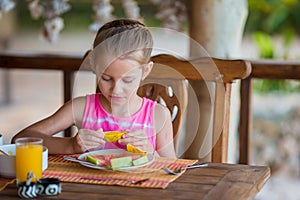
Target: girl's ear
147, 69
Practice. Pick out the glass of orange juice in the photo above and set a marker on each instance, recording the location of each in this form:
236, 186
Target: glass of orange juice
28, 157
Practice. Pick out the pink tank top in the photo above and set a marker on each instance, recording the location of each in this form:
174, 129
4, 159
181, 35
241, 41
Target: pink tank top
95, 117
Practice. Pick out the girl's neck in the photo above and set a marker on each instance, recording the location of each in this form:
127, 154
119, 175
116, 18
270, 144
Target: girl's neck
125, 110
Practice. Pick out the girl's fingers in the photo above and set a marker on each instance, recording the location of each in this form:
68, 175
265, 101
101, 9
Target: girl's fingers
132, 140
138, 135
134, 137
89, 139
100, 133
135, 133
92, 145
139, 143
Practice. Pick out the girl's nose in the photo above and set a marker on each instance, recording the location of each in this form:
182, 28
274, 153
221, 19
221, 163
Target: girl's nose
117, 87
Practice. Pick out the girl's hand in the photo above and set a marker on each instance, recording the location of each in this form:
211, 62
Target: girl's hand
89, 139
138, 139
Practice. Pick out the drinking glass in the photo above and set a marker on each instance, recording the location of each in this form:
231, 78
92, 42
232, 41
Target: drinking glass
28, 158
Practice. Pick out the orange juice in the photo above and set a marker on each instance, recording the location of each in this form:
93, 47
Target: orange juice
28, 158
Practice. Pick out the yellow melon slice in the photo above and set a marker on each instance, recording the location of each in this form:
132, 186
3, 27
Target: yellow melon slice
113, 136
133, 149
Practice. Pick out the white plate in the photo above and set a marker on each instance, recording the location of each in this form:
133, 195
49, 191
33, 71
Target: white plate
113, 152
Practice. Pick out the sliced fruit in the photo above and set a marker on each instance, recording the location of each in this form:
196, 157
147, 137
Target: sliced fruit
140, 161
91, 159
113, 136
133, 149
121, 162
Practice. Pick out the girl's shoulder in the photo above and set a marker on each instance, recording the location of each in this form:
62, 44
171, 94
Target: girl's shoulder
78, 101
78, 106
161, 116
82, 100
161, 111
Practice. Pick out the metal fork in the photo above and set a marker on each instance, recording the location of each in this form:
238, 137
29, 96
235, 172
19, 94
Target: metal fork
169, 171
69, 158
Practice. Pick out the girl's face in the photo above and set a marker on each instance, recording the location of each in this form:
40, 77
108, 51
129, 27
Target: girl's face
120, 81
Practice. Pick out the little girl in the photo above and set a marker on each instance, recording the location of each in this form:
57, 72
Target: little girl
121, 60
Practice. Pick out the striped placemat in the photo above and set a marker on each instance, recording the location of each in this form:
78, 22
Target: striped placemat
68, 171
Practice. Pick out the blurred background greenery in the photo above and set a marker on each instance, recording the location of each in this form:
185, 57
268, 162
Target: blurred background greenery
81, 14
269, 18
273, 16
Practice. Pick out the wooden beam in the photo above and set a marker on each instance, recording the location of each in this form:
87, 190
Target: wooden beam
66, 62
275, 69
210, 68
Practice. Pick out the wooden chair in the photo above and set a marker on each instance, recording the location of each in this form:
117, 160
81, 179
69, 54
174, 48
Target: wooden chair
170, 93
180, 76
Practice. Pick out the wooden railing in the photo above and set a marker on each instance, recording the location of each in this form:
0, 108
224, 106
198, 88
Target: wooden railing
67, 63
261, 69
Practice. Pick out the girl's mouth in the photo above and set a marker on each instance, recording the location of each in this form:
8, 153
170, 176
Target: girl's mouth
116, 98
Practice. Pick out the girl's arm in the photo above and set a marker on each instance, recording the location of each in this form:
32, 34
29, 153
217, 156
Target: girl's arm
68, 115
164, 132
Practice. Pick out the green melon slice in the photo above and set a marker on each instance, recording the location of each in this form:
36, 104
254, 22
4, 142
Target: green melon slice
91, 159
140, 161
121, 162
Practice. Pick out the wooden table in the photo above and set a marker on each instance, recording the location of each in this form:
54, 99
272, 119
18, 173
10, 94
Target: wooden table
218, 181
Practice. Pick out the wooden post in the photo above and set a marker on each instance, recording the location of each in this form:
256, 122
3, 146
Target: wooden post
200, 17
201, 29
245, 127
217, 25
7, 24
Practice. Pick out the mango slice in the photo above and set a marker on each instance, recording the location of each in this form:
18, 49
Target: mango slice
113, 136
133, 149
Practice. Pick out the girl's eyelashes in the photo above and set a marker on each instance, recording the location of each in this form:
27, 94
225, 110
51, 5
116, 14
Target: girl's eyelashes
128, 80
125, 80
105, 78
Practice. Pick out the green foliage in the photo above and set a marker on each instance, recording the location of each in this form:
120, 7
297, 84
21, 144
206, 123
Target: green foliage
275, 86
268, 17
81, 15
289, 37
273, 16
264, 43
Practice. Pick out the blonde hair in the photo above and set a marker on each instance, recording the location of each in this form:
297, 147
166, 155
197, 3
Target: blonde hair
125, 38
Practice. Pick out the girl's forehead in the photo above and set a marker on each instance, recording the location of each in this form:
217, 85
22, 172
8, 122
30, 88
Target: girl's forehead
122, 67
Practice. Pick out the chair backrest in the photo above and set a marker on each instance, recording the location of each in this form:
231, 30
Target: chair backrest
165, 96
173, 95
187, 80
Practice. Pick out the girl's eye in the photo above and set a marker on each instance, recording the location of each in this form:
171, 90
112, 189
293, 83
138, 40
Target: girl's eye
128, 80
105, 78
